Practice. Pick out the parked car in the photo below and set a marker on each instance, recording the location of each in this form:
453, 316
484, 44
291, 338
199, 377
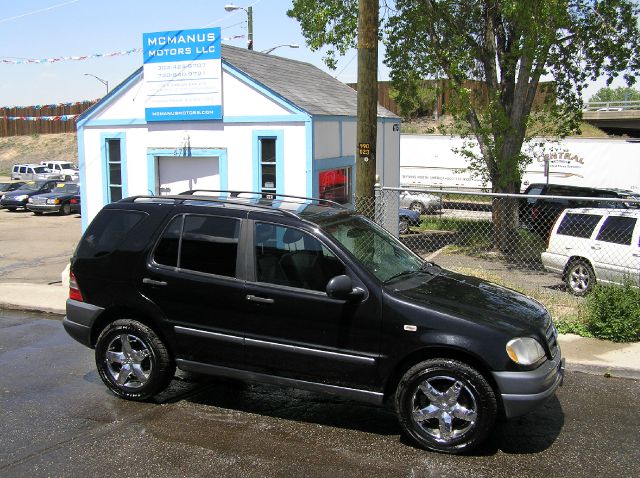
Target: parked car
68, 171
64, 198
539, 214
304, 294
7, 187
18, 198
423, 203
33, 172
407, 218
592, 245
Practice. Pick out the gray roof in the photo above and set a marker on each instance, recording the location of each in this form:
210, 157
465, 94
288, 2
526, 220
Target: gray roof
302, 84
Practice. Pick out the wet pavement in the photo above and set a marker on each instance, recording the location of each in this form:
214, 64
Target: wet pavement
57, 419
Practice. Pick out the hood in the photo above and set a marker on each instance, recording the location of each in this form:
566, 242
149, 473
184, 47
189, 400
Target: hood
56, 195
473, 299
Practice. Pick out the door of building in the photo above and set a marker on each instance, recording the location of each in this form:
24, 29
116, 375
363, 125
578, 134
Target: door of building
177, 174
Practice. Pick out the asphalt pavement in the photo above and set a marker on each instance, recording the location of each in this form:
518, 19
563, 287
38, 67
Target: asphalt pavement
58, 419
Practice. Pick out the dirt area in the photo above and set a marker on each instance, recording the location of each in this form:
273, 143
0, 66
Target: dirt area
36, 148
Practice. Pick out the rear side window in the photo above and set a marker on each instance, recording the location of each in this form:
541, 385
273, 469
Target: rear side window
206, 244
106, 231
578, 225
617, 229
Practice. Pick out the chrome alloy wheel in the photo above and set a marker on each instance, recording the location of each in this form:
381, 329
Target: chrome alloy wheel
579, 278
128, 361
444, 408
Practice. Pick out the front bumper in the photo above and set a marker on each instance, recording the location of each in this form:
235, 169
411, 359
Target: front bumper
11, 203
80, 319
44, 207
525, 391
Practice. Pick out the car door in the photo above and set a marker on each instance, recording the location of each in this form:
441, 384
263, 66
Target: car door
191, 276
615, 250
293, 328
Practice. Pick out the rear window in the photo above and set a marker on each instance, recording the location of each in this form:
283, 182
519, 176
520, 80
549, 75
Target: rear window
617, 229
106, 231
578, 225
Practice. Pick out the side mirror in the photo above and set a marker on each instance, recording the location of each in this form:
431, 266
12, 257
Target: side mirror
341, 288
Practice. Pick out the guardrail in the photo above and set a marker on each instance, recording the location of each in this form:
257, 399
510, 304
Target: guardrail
611, 106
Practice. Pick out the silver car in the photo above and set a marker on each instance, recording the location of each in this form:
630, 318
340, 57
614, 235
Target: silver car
423, 203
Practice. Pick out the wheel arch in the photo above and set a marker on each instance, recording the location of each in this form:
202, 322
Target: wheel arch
577, 258
116, 313
427, 353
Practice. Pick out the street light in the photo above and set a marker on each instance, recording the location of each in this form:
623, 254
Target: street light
231, 7
290, 45
104, 82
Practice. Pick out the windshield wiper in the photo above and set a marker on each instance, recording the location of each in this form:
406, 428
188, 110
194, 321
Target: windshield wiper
401, 274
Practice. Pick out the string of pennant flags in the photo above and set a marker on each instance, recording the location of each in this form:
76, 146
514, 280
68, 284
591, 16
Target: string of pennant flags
42, 118
32, 61
58, 105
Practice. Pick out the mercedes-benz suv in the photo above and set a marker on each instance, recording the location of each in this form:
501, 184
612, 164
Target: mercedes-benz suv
308, 294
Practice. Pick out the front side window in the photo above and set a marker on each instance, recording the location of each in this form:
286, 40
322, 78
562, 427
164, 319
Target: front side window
335, 185
377, 251
617, 229
206, 244
114, 169
578, 225
291, 257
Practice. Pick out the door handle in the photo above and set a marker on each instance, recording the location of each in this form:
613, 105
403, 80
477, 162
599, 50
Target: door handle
596, 248
259, 300
146, 280
636, 255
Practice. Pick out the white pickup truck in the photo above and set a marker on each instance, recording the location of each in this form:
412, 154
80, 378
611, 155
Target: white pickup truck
67, 170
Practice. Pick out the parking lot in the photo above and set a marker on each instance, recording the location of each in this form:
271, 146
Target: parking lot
36, 249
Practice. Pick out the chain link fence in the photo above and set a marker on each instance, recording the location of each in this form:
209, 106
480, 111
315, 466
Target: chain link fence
529, 243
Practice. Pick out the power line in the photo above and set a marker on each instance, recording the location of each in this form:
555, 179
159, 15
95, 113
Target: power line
46, 9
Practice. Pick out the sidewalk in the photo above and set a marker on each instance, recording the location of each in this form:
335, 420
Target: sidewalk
585, 355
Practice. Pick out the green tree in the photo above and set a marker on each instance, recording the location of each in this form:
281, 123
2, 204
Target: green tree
621, 93
507, 44
413, 96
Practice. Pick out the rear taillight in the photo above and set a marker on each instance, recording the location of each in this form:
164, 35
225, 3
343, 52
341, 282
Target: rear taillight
74, 201
74, 290
534, 212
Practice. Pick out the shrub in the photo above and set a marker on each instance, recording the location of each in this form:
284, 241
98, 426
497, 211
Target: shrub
613, 313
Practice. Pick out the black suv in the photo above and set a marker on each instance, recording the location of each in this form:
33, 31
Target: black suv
539, 214
308, 294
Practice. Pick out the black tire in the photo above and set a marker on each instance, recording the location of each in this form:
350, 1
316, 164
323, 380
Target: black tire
455, 388
579, 277
37, 213
12, 209
155, 367
418, 207
65, 210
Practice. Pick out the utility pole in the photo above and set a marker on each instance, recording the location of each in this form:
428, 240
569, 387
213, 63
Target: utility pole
250, 28
367, 103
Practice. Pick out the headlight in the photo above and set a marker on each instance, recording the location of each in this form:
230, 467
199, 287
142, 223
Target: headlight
30, 200
22, 197
524, 350
53, 201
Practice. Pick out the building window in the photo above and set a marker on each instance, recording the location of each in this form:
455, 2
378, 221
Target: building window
268, 167
114, 169
335, 184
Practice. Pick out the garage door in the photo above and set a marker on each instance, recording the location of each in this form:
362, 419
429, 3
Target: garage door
178, 174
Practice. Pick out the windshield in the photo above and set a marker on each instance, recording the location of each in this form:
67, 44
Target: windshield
66, 188
378, 251
40, 170
30, 186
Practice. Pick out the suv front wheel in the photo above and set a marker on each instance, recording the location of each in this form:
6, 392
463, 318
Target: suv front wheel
445, 405
132, 360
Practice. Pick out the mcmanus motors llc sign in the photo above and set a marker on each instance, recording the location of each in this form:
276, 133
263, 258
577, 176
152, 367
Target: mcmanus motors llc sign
183, 75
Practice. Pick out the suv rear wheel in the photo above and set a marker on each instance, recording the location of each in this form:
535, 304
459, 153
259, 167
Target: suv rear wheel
579, 277
445, 405
132, 360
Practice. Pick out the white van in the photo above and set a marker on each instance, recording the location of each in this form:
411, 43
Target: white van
33, 172
67, 170
589, 245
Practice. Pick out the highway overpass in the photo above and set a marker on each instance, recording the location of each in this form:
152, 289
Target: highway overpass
614, 117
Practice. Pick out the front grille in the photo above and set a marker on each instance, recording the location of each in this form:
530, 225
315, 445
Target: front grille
38, 201
552, 338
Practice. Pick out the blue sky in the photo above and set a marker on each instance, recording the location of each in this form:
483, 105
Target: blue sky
56, 28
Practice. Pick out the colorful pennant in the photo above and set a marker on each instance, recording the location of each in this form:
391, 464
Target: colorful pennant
36, 118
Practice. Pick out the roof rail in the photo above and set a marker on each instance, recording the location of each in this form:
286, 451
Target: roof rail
193, 192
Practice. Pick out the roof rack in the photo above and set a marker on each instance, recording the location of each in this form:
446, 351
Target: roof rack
183, 197
193, 192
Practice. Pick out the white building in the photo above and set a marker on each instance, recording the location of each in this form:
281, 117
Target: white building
287, 128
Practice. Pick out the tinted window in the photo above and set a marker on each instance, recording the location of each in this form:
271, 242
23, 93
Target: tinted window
617, 229
578, 225
206, 244
536, 190
106, 231
291, 257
